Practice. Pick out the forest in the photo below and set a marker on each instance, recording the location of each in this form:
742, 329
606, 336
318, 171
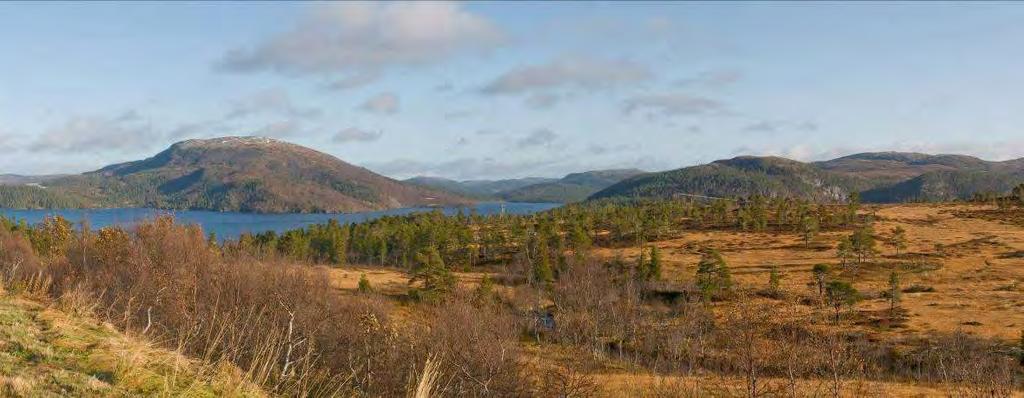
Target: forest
552, 286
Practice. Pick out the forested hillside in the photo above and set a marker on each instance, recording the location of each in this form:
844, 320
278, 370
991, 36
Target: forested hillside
248, 174
888, 177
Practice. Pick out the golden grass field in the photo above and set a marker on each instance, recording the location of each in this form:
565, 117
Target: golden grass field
974, 264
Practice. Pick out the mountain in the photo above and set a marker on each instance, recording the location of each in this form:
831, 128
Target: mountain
945, 185
15, 179
249, 174
741, 176
879, 177
480, 189
889, 167
571, 188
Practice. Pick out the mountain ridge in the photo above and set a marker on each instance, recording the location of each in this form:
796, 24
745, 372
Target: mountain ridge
248, 174
573, 187
882, 177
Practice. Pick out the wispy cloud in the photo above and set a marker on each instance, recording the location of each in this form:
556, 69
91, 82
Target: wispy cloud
712, 79
538, 138
383, 103
778, 126
271, 101
674, 104
125, 132
353, 134
568, 72
360, 39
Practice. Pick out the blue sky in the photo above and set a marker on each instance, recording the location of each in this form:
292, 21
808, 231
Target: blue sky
492, 89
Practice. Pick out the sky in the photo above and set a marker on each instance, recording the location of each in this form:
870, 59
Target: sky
483, 90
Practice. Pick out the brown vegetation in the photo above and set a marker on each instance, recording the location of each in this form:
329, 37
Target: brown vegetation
912, 321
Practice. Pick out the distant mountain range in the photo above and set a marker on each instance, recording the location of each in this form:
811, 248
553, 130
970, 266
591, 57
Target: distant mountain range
254, 174
883, 177
250, 174
571, 188
15, 179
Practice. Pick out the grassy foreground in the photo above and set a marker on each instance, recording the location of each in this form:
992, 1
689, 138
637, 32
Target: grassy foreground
47, 352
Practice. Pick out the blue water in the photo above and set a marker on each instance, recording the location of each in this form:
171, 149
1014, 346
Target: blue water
230, 225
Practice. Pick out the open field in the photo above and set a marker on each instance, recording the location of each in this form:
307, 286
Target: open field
961, 271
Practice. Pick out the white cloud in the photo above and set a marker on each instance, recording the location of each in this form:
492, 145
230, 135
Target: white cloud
353, 134
712, 79
383, 103
88, 133
543, 100
272, 101
672, 105
778, 126
540, 137
464, 168
568, 72
358, 79
353, 38
283, 128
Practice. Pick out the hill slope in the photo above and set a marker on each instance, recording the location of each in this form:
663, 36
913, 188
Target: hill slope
741, 176
49, 353
572, 188
249, 174
481, 189
884, 177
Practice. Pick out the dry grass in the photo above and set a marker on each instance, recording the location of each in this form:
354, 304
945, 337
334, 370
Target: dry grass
977, 281
46, 352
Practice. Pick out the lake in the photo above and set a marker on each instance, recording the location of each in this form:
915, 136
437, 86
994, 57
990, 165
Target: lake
230, 225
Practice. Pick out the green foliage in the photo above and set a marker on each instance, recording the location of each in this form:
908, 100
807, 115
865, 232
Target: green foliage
774, 281
809, 228
52, 236
862, 244
542, 274
895, 293
820, 272
364, 286
654, 265
32, 197
713, 276
898, 241
436, 279
840, 294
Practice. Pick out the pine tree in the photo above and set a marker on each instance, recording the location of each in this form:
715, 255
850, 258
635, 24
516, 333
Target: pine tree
774, 281
844, 250
894, 292
820, 272
840, 294
862, 244
437, 280
899, 239
808, 229
713, 276
655, 265
542, 273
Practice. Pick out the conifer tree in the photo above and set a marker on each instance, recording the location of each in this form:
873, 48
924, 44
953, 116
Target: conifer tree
840, 294
894, 292
655, 264
820, 272
713, 276
899, 239
542, 272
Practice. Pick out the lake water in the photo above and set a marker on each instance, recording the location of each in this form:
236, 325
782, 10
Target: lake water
230, 225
